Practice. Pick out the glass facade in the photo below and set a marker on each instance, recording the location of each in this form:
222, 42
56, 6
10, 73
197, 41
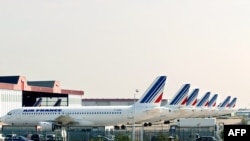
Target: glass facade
9, 99
75, 100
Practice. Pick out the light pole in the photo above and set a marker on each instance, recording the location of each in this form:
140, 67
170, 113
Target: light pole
133, 129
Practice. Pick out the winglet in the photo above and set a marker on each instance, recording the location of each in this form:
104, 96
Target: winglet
192, 98
204, 100
181, 96
153, 95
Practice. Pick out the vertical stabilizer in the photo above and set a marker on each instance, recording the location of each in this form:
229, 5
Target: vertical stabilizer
192, 98
233, 103
212, 101
204, 100
225, 102
181, 96
38, 103
153, 95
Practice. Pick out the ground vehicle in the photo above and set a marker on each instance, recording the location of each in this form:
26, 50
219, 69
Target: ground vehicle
50, 137
22, 138
9, 137
37, 137
1, 137
206, 138
17, 138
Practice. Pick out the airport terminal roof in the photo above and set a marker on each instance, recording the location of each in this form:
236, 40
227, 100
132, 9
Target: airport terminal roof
20, 83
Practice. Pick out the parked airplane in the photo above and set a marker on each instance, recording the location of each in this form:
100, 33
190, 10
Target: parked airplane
199, 109
50, 118
219, 111
211, 107
58, 102
38, 103
228, 108
171, 110
192, 98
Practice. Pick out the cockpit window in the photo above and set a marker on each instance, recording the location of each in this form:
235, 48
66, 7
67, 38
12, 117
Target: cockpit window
9, 113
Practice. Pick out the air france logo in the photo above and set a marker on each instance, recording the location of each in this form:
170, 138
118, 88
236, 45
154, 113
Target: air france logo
241, 132
41, 110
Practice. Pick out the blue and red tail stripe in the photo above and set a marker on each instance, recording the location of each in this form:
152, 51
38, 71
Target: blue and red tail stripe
192, 97
225, 102
181, 95
212, 101
155, 91
232, 103
204, 100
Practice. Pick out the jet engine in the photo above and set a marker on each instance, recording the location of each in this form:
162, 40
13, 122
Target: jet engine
48, 126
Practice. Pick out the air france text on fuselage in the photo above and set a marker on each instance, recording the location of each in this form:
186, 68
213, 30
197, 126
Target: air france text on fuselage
42, 110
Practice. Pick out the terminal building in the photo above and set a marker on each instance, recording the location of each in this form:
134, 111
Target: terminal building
17, 92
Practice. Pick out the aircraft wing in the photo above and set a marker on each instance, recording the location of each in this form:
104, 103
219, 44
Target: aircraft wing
66, 120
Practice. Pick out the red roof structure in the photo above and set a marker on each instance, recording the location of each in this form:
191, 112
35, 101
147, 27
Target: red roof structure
20, 83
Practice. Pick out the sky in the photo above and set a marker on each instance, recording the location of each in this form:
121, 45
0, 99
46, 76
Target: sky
110, 48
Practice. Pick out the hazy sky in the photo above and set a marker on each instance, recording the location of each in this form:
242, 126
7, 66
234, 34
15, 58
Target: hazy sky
109, 48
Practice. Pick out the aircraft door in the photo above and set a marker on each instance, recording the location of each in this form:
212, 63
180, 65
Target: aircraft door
130, 114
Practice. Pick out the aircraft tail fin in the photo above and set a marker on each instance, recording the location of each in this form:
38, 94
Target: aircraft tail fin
192, 98
204, 100
153, 95
58, 102
233, 103
38, 103
225, 102
212, 101
181, 96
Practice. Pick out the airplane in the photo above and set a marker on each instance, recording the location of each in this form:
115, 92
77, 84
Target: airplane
172, 110
210, 107
38, 103
190, 104
229, 108
219, 111
58, 102
52, 118
199, 109
192, 99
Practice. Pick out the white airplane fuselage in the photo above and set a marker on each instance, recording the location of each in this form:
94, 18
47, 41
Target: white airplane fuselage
81, 116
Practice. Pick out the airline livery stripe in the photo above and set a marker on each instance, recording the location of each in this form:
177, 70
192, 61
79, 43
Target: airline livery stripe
204, 99
156, 92
180, 95
184, 101
158, 85
192, 97
159, 91
214, 104
224, 104
206, 103
213, 100
159, 98
194, 102
232, 104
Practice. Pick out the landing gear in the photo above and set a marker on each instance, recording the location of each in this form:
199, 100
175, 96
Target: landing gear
147, 124
122, 127
166, 122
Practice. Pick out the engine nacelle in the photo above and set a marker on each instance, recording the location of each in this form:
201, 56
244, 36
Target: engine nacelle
47, 126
